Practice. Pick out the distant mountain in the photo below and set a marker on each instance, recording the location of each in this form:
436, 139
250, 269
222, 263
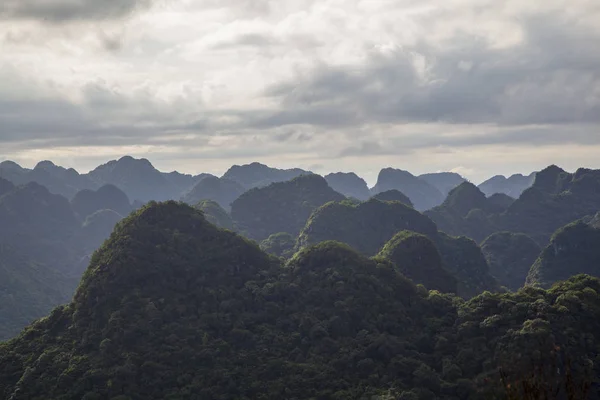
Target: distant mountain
183, 183
510, 256
56, 179
417, 258
465, 212
137, 178
281, 207
96, 228
393, 195
349, 184
512, 186
573, 249
422, 194
368, 226
499, 202
28, 291
443, 181
260, 175
215, 214
221, 190
108, 197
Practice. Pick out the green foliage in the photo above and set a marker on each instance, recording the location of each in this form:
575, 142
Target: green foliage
281, 207
572, 250
510, 256
279, 244
215, 214
417, 258
393, 195
172, 307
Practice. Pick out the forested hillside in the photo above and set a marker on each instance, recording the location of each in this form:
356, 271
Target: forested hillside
173, 307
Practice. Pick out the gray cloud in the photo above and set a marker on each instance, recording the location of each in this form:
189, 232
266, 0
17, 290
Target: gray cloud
552, 77
57, 11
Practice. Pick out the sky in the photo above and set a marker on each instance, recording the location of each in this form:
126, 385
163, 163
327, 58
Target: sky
479, 87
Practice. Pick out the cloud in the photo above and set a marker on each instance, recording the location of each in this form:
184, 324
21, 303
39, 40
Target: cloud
59, 11
549, 76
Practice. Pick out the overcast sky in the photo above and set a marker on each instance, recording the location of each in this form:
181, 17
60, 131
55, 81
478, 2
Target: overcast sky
476, 86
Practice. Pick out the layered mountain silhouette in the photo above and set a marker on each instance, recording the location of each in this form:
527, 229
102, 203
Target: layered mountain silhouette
422, 194
349, 184
223, 191
573, 249
281, 207
443, 181
259, 175
394, 195
368, 226
173, 307
510, 257
108, 197
512, 186
215, 214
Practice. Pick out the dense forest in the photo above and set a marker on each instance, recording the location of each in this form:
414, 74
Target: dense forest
129, 283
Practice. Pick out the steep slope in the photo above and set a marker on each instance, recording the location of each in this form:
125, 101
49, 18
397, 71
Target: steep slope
136, 177
417, 258
465, 212
5, 186
171, 304
14, 173
512, 186
281, 207
574, 249
443, 181
215, 214
500, 202
259, 175
280, 244
510, 256
555, 199
423, 195
183, 183
108, 197
172, 307
220, 190
393, 195
348, 184
368, 226
28, 291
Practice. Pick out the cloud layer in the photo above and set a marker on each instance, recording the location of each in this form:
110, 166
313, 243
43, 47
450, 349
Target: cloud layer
199, 85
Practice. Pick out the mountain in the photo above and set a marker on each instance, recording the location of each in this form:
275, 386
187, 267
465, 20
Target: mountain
281, 207
368, 226
108, 197
5, 186
279, 244
465, 212
215, 214
510, 256
183, 182
28, 291
443, 181
172, 307
349, 184
56, 179
137, 178
220, 190
96, 228
423, 195
574, 249
417, 258
512, 186
393, 195
259, 175
499, 202
556, 199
